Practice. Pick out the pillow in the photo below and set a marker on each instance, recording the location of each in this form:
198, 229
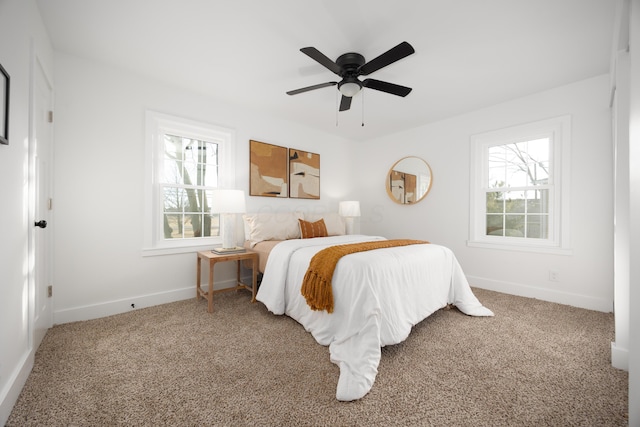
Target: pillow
332, 220
309, 230
271, 226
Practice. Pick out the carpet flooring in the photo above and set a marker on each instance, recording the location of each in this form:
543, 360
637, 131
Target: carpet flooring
534, 364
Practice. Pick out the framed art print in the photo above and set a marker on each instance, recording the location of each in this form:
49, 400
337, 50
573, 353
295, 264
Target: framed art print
268, 170
304, 174
4, 106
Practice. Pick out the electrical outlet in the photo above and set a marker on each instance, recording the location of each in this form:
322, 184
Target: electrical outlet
554, 276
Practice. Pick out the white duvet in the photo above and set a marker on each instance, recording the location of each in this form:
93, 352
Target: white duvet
378, 296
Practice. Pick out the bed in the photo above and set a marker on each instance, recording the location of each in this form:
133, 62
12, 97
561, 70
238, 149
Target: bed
379, 295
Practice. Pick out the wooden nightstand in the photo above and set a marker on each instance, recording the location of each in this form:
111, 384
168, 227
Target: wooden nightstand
213, 258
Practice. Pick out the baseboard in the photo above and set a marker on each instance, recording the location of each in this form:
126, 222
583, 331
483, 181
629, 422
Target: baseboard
581, 301
14, 386
109, 308
619, 357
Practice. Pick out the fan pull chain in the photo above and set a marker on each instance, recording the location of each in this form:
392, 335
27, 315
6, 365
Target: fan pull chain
337, 106
362, 91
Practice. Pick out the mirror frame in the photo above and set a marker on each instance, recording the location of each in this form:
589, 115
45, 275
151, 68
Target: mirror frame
392, 169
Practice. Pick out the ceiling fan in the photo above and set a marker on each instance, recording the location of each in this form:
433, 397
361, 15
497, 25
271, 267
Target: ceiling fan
351, 65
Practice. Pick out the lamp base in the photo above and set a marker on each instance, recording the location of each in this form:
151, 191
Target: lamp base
349, 225
228, 231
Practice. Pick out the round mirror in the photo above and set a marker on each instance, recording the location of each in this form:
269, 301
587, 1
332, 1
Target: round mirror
409, 180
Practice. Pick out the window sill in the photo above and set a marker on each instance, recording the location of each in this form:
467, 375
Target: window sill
146, 252
553, 250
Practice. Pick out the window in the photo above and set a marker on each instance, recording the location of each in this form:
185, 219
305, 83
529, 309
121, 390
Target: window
186, 161
520, 187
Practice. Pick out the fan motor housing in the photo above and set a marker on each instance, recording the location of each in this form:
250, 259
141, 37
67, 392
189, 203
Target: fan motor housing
350, 62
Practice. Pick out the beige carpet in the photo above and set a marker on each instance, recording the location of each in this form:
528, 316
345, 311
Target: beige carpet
533, 364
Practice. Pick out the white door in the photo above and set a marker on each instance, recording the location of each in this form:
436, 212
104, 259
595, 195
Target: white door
40, 153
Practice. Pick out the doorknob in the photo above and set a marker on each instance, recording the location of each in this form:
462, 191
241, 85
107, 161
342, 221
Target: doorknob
42, 223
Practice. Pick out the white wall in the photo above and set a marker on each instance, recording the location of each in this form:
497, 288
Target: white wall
21, 33
99, 186
586, 277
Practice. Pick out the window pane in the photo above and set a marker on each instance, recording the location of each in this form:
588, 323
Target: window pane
174, 199
537, 157
539, 173
537, 226
193, 206
519, 164
214, 225
538, 201
173, 226
207, 196
514, 152
188, 226
190, 162
193, 225
201, 164
514, 202
523, 165
496, 156
193, 202
189, 175
496, 177
172, 170
173, 160
495, 202
538, 149
516, 175
173, 147
495, 225
210, 175
514, 225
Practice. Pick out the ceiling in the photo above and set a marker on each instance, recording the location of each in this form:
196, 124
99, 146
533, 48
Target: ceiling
469, 53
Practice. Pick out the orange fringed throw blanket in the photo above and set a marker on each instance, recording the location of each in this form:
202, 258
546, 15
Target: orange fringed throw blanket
316, 285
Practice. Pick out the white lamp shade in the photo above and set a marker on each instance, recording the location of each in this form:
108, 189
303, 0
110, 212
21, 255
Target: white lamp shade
228, 201
349, 89
349, 209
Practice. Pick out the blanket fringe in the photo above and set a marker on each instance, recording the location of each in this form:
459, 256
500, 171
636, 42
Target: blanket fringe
318, 292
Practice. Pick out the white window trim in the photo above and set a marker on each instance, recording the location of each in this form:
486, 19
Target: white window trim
157, 125
558, 128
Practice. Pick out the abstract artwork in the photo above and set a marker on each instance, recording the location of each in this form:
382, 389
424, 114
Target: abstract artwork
304, 174
268, 170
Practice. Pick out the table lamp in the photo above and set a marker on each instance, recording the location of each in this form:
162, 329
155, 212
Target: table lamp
228, 203
349, 210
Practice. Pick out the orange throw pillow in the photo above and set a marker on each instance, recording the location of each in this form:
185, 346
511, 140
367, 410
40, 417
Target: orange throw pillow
309, 230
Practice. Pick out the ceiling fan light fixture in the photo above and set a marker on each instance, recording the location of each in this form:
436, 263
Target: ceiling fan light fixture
349, 66
349, 87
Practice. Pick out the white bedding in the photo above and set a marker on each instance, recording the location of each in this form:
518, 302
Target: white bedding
378, 296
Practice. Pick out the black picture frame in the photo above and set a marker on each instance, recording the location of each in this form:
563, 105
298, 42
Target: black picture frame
4, 105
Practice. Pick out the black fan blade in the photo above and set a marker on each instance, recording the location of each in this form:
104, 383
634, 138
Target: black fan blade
391, 88
389, 57
345, 103
308, 88
321, 58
